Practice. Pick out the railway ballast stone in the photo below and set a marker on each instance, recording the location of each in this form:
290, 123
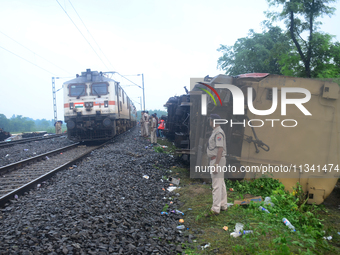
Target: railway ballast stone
103, 206
21, 151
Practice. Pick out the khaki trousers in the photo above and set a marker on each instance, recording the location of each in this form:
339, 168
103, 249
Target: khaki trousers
219, 190
153, 135
58, 129
142, 129
146, 127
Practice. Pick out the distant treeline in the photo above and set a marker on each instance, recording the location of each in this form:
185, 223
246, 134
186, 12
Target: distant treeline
159, 113
18, 124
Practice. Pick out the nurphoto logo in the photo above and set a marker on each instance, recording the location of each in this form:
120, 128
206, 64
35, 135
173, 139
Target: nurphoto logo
238, 103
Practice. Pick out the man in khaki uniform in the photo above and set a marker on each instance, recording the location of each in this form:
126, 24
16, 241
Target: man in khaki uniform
58, 127
146, 123
153, 129
217, 151
149, 126
142, 128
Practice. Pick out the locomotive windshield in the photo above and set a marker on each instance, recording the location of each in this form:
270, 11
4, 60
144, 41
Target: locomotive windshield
99, 89
77, 90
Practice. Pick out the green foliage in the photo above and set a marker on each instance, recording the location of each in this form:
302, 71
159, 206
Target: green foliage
258, 52
165, 208
169, 147
18, 124
324, 63
313, 56
259, 187
270, 235
288, 205
190, 252
303, 9
159, 149
325, 60
287, 52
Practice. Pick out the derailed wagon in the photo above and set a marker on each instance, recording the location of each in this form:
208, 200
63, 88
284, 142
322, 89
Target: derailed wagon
276, 126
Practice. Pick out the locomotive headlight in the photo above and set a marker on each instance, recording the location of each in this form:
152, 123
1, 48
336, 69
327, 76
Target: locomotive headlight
106, 103
88, 105
71, 106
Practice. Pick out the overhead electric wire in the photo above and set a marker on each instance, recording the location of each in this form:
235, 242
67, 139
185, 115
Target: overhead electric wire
135, 101
128, 80
90, 33
82, 34
34, 52
27, 61
93, 40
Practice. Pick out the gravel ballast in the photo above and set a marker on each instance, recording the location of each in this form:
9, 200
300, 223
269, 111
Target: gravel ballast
103, 205
17, 152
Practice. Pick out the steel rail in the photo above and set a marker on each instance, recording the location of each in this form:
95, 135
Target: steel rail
26, 140
24, 188
21, 163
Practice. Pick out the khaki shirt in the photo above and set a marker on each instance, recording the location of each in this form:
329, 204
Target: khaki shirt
217, 139
146, 117
154, 123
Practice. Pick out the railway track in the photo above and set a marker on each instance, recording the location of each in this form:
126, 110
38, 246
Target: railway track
26, 140
19, 177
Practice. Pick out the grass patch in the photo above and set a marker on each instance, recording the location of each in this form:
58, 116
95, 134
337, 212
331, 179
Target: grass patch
270, 235
170, 148
159, 149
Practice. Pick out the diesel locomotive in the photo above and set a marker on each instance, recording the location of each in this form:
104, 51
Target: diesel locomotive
96, 107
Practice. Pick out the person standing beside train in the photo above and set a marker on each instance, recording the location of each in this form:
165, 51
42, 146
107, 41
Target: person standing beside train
142, 127
58, 127
161, 128
153, 129
217, 152
146, 123
149, 126
157, 134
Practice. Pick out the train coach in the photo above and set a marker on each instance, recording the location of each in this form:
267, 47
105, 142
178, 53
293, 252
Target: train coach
96, 107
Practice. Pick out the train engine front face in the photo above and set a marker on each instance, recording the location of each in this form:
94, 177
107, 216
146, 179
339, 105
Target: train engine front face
90, 107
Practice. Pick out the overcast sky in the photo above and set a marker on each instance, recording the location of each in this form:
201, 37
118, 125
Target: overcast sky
167, 41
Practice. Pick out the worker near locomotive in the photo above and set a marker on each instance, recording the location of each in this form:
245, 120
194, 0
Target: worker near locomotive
275, 126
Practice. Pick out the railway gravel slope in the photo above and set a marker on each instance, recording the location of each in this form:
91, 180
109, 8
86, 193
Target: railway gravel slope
102, 206
17, 152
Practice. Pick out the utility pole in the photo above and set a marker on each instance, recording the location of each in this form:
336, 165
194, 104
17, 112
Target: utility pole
143, 92
54, 100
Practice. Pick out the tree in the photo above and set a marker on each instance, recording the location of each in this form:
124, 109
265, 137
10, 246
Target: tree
301, 16
42, 124
258, 52
4, 122
17, 123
